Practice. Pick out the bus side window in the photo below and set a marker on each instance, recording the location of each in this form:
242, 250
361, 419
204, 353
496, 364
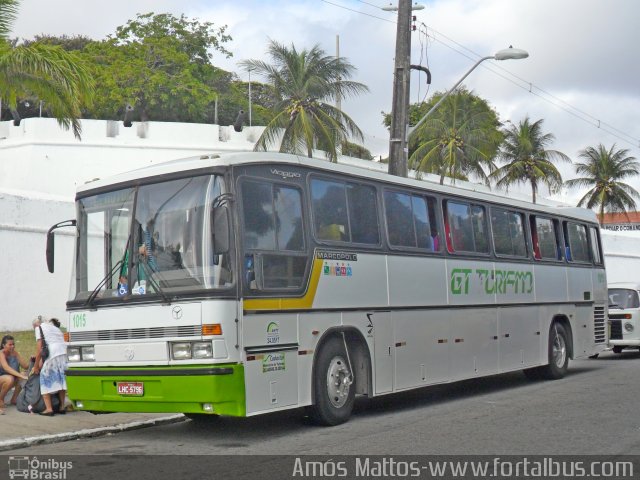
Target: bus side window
534, 239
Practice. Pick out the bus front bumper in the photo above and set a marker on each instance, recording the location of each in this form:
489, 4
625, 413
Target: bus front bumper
205, 389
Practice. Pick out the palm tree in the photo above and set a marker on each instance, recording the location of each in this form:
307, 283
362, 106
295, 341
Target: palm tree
460, 139
303, 82
43, 72
603, 171
528, 159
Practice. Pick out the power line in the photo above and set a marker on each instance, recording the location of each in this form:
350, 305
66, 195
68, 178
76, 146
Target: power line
520, 82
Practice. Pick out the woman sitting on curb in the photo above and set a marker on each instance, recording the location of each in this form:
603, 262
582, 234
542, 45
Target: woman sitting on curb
10, 363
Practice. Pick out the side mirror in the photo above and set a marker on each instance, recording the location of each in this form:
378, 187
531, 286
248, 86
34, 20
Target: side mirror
220, 230
50, 250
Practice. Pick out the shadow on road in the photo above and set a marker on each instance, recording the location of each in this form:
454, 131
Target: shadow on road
246, 431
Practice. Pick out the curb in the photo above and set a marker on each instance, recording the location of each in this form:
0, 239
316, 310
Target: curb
88, 432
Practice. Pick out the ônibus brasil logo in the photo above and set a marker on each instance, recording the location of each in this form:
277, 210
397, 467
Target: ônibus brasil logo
34, 468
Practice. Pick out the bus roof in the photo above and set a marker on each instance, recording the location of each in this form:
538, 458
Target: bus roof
354, 167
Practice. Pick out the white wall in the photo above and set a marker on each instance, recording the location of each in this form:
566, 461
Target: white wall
622, 255
27, 289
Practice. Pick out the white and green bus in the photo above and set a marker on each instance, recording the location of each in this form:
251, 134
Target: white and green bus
240, 284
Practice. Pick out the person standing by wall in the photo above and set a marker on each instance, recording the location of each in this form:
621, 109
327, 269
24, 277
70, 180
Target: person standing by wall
52, 378
10, 363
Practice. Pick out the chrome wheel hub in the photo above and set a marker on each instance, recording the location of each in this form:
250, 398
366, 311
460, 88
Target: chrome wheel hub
339, 382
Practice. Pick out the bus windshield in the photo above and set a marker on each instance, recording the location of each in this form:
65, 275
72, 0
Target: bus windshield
149, 240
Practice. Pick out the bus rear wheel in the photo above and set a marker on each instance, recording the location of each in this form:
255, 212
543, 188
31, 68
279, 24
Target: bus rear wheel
333, 382
617, 349
558, 353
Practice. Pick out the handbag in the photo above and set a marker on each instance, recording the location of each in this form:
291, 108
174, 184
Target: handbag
44, 351
30, 399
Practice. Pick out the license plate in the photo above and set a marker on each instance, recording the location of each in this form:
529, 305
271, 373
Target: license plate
130, 388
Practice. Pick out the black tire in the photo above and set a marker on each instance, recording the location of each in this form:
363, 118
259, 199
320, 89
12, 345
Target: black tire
333, 385
617, 349
558, 353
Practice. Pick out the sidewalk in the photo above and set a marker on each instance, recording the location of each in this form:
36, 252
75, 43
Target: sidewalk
20, 430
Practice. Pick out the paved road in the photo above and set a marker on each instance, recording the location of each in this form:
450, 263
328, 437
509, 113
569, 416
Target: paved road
594, 410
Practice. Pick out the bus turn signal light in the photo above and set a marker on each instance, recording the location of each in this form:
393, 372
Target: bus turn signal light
212, 329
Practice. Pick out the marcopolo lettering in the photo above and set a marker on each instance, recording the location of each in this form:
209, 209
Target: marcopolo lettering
338, 256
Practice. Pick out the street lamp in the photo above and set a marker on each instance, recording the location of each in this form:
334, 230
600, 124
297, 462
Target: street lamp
505, 54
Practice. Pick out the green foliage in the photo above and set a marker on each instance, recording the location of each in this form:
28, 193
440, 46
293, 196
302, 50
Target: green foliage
354, 150
603, 171
68, 43
527, 158
302, 85
459, 139
159, 64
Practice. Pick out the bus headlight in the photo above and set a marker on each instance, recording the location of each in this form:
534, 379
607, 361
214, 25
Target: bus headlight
81, 353
202, 350
628, 327
181, 351
189, 350
73, 354
88, 353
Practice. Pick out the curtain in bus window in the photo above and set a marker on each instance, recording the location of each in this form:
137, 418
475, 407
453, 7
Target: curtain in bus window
460, 227
400, 225
468, 227
595, 245
363, 214
259, 228
479, 229
329, 204
422, 222
578, 242
547, 239
508, 233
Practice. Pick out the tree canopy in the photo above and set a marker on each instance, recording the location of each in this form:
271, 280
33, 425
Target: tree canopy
459, 139
303, 82
160, 65
528, 158
602, 171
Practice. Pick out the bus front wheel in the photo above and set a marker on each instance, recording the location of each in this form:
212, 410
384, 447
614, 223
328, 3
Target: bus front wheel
558, 353
333, 382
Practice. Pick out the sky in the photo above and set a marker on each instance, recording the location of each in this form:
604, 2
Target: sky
581, 77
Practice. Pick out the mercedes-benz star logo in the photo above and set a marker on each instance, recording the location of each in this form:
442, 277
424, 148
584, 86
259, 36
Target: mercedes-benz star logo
176, 313
129, 353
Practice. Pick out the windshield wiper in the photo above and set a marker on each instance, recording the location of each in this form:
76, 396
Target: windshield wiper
103, 282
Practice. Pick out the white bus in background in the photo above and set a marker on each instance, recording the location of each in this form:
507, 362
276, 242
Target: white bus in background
624, 315
241, 284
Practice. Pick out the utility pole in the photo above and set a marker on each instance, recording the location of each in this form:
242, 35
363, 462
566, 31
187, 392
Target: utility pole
338, 96
398, 149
